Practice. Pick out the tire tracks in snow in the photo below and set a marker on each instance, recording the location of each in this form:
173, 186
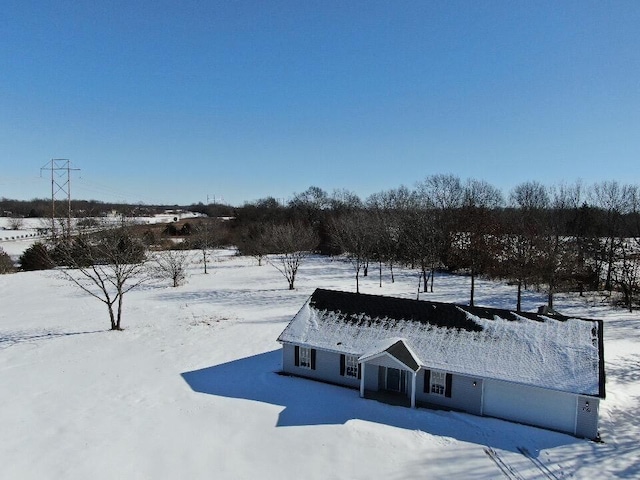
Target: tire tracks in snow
504, 467
540, 465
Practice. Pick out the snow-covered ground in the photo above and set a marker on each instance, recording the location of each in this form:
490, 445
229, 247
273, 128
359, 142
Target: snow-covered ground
189, 389
31, 229
15, 241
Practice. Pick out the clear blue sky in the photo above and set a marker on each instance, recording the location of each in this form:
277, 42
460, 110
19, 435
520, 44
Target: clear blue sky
171, 101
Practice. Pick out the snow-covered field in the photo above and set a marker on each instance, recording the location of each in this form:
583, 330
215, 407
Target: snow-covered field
12, 239
30, 230
189, 389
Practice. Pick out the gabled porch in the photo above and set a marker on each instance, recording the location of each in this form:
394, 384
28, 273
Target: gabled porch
389, 373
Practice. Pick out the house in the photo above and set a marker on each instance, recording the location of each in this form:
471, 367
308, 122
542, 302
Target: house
541, 370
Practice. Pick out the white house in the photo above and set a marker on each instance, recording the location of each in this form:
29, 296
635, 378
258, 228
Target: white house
542, 370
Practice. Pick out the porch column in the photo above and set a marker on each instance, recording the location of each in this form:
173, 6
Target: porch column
413, 389
362, 380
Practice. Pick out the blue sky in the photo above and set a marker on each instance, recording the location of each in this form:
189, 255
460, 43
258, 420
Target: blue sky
171, 102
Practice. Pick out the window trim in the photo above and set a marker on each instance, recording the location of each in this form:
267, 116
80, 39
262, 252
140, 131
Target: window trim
351, 366
304, 358
438, 383
296, 357
448, 382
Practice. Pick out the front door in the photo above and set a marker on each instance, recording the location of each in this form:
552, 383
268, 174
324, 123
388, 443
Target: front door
393, 379
396, 380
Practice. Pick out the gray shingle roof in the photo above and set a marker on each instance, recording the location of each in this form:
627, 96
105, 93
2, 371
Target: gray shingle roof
549, 351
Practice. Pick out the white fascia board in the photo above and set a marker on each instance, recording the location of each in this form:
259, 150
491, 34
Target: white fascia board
294, 318
413, 354
320, 347
401, 365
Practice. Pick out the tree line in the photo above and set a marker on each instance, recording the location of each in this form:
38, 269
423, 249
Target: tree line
566, 237
42, 207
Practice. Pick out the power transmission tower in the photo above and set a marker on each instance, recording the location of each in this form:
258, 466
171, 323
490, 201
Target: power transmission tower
60, 186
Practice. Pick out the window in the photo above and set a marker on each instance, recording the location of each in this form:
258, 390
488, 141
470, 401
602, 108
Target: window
351, 366
438, 380
437, 383
305, 357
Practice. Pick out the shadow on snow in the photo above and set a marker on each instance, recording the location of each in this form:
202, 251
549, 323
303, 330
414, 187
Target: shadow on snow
8, 339
308, 402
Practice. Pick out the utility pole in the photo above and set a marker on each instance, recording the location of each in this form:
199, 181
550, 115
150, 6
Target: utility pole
60, 185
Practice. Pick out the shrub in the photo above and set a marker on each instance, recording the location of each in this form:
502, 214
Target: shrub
36, 257
186, 229
149, 237
6, 264
170, 230
76, 253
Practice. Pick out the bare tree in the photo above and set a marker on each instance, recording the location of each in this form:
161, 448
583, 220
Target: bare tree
172, 265
627, 275
477, 238
529, 197
422, 239
344, 201
290, 244
386, 230
442, 191
481, 194
106, 266
558, 258
524, 226
16, 223
354, 235
253, 241
615, 200
440, 199
310, 204
205, 237
314, 197
397, 203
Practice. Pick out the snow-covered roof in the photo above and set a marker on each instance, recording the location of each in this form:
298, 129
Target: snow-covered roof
548, 351
398, 348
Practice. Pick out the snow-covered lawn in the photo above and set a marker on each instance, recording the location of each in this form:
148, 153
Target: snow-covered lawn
190, 390
14, 242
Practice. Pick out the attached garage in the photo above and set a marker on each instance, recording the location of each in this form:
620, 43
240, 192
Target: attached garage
530, 405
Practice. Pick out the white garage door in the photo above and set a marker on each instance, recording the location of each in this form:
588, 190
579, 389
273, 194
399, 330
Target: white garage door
533, 406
